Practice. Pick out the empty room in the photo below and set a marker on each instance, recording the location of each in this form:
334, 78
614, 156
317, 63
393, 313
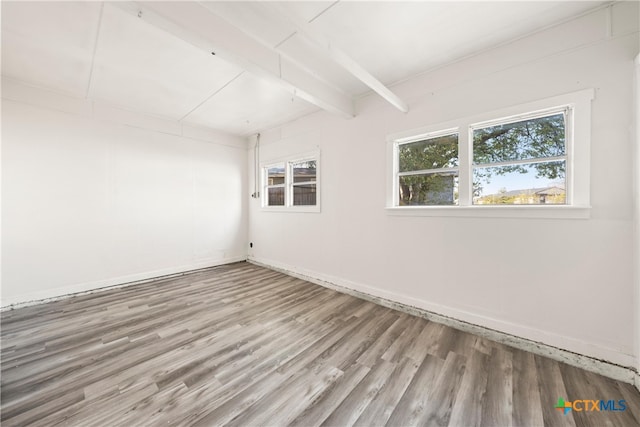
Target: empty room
331, 213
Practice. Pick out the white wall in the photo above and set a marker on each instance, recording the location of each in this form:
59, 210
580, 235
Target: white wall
94, 196
567, 283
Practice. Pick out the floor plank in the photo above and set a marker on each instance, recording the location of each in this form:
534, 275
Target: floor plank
527, 408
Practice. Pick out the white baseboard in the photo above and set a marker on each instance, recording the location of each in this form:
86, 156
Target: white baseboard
606, 361
55, 294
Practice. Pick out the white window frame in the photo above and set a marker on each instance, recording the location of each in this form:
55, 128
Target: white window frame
577, 144
289, 184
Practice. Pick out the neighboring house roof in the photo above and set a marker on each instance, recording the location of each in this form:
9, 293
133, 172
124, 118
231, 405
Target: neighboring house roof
551, 191
544, 191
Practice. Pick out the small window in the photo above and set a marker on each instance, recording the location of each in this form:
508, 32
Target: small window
292, 185
428, 171
522, 162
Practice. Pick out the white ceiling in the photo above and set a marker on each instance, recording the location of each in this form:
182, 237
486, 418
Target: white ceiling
273, 62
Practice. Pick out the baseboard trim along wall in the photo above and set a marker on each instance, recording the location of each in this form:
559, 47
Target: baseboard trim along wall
602, 367
56, 294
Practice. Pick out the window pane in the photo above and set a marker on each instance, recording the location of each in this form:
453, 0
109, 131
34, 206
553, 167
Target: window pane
523, 184
304, 171
275, 175
433, 153
275, 196
429, 189
524, 140
304, 195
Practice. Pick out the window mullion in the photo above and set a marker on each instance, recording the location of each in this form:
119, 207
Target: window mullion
288, 179
465, 184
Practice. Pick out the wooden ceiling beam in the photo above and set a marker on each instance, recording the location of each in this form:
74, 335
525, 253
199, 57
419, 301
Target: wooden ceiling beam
341, 58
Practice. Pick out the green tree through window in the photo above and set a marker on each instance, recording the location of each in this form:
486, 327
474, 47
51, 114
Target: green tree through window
428, 171
509, 146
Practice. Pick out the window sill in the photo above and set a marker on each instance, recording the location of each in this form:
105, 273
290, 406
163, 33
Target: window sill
552, 212
292, 209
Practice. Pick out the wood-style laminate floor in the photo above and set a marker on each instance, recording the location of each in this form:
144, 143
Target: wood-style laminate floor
242, 345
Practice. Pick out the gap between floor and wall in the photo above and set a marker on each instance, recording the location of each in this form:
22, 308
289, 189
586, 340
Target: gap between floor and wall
41, 297
602, 367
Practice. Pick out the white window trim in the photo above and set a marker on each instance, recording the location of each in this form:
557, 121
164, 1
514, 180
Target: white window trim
578, 161
288, 183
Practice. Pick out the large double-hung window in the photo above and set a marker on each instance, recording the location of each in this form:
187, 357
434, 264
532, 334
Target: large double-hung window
527, 160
